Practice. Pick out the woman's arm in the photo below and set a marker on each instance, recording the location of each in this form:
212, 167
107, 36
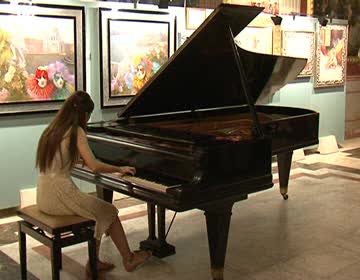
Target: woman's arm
94, 164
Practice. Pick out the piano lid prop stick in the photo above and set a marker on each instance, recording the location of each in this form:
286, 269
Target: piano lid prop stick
257, 129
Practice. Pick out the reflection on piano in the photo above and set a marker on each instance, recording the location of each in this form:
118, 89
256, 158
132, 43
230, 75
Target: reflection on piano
198, 136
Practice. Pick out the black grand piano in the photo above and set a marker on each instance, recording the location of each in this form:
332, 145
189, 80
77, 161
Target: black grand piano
198, 136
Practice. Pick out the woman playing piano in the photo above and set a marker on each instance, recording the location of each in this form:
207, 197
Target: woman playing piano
60, 146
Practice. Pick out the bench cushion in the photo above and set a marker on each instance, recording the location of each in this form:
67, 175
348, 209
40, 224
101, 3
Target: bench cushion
52, 223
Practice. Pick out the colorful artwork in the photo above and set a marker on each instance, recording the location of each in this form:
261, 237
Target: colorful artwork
331, 56
38, 59
137, 51
134, 47
300, 44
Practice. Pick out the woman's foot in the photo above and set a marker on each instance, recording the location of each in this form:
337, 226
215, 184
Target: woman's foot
136, 259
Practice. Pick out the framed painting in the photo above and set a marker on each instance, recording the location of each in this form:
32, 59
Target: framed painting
256, 39
41, 58
134, 46
300, 44
331, 52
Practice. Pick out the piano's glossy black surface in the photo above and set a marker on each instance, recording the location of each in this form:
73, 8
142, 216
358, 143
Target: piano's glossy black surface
199, 128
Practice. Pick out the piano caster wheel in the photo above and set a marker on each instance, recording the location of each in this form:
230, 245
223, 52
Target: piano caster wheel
285, 196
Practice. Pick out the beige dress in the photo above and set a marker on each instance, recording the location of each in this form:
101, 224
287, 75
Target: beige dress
58, 195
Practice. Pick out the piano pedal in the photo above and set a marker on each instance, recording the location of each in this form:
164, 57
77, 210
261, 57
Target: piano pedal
160, 249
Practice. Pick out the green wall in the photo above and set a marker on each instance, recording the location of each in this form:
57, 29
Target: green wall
19, 134
330, 104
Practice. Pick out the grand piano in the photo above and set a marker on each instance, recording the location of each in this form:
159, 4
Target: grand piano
198, 134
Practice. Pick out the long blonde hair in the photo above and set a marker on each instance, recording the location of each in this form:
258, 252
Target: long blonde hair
73, 114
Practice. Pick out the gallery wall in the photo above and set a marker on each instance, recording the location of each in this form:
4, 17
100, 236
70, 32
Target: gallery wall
302, 92
19, 133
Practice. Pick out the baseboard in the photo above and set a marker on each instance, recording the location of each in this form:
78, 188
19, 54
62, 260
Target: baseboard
8, 212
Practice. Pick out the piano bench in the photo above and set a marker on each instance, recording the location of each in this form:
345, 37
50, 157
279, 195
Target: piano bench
55, 232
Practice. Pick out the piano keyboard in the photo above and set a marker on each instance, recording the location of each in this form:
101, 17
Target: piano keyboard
140, 182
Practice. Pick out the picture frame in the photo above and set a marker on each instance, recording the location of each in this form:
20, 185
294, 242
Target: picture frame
133, 46
331, 53
42, 59
309, 7
277, 40
300, 44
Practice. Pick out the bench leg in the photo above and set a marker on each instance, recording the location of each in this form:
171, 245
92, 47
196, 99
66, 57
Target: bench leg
22, 252
92, 257
56, 257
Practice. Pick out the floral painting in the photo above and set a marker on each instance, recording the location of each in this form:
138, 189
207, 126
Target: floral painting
331, 56
134, 47
137, 51
38, 60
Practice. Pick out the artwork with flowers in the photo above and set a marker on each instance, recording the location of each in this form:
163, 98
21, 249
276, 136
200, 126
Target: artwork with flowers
134, 46
331, 53
40, 57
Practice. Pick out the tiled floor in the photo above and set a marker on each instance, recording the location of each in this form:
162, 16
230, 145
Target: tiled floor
315, 235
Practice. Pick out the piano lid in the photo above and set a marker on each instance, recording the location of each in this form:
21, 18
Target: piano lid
203, 72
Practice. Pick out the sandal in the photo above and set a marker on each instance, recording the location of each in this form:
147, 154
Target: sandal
136, 259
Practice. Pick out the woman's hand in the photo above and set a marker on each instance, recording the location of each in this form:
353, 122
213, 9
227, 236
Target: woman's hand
126, 170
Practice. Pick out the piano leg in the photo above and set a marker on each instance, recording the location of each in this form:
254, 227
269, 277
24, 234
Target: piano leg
218, 222
104, 194
284, 166
159, 247
151, 221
